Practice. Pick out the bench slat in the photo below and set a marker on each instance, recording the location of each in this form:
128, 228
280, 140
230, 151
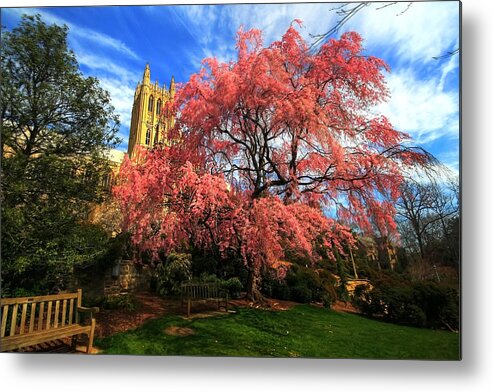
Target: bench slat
64, 312
33, 315
57, 309
23, 319
41, 315
71, 312
13, 322
5, 313
48, 315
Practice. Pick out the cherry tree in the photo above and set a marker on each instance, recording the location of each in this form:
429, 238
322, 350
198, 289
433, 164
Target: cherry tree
284, 121
262, 146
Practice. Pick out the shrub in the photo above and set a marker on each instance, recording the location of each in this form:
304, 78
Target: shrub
304, 277
327, 301
124, 302
301, 294
172, 273
419, 304
439, 303
280, 290
206, 278
55, 262
329, 295
233, 287
301, 284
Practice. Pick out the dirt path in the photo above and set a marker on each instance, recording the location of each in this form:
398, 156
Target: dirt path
109, 322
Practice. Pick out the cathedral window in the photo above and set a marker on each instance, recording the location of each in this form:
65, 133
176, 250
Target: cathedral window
156, 135
148, 137
151, 104
158, 107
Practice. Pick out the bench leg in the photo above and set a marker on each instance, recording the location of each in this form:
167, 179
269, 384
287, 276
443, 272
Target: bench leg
91, 336
73, 345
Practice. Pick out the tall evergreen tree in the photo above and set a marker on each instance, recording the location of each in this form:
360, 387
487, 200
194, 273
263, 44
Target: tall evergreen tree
56, 126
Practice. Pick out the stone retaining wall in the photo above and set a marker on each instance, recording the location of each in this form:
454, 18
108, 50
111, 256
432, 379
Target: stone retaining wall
121, 279
125, 278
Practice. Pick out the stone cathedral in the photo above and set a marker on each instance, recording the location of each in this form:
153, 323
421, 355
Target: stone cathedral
148, 127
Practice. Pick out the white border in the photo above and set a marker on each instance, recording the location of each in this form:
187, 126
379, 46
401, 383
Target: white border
473, 373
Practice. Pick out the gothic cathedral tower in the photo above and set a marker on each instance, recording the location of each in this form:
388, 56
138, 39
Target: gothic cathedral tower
148, 126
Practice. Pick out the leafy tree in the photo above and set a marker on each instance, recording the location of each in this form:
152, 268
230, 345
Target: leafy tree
428, 220
56, 127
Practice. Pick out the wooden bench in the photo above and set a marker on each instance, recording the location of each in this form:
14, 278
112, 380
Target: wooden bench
29, 321
191, 292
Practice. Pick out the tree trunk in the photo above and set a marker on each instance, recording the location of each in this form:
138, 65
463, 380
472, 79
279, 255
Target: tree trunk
421, 247
253, 283
354, 264
450, 245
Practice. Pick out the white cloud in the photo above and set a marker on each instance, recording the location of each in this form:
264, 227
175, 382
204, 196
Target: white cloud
122, 97
424, 30
275, 19
451, 160
421, 107
106, 66
204, 22
118, 80
79, 33
415, 34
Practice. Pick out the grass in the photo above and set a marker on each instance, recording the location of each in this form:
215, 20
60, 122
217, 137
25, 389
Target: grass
303, 331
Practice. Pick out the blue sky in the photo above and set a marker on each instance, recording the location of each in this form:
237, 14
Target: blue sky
114, 43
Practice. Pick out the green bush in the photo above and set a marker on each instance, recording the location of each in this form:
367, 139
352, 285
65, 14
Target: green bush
273, 287
298, 276
439, 303
206, 278
301, 294
52, 264
301, 284
171, 273
420, 304
329, 295
327, 301
233, 287
280, 290
122, 302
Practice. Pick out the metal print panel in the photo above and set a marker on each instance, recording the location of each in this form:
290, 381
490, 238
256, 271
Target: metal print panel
258, 180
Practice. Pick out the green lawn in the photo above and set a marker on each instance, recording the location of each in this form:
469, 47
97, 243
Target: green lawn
303, 331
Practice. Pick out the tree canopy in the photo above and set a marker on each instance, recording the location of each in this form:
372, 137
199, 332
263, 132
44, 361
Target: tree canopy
56, 126
284, 121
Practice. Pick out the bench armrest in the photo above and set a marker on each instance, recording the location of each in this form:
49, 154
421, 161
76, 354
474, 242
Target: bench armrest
82, 309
